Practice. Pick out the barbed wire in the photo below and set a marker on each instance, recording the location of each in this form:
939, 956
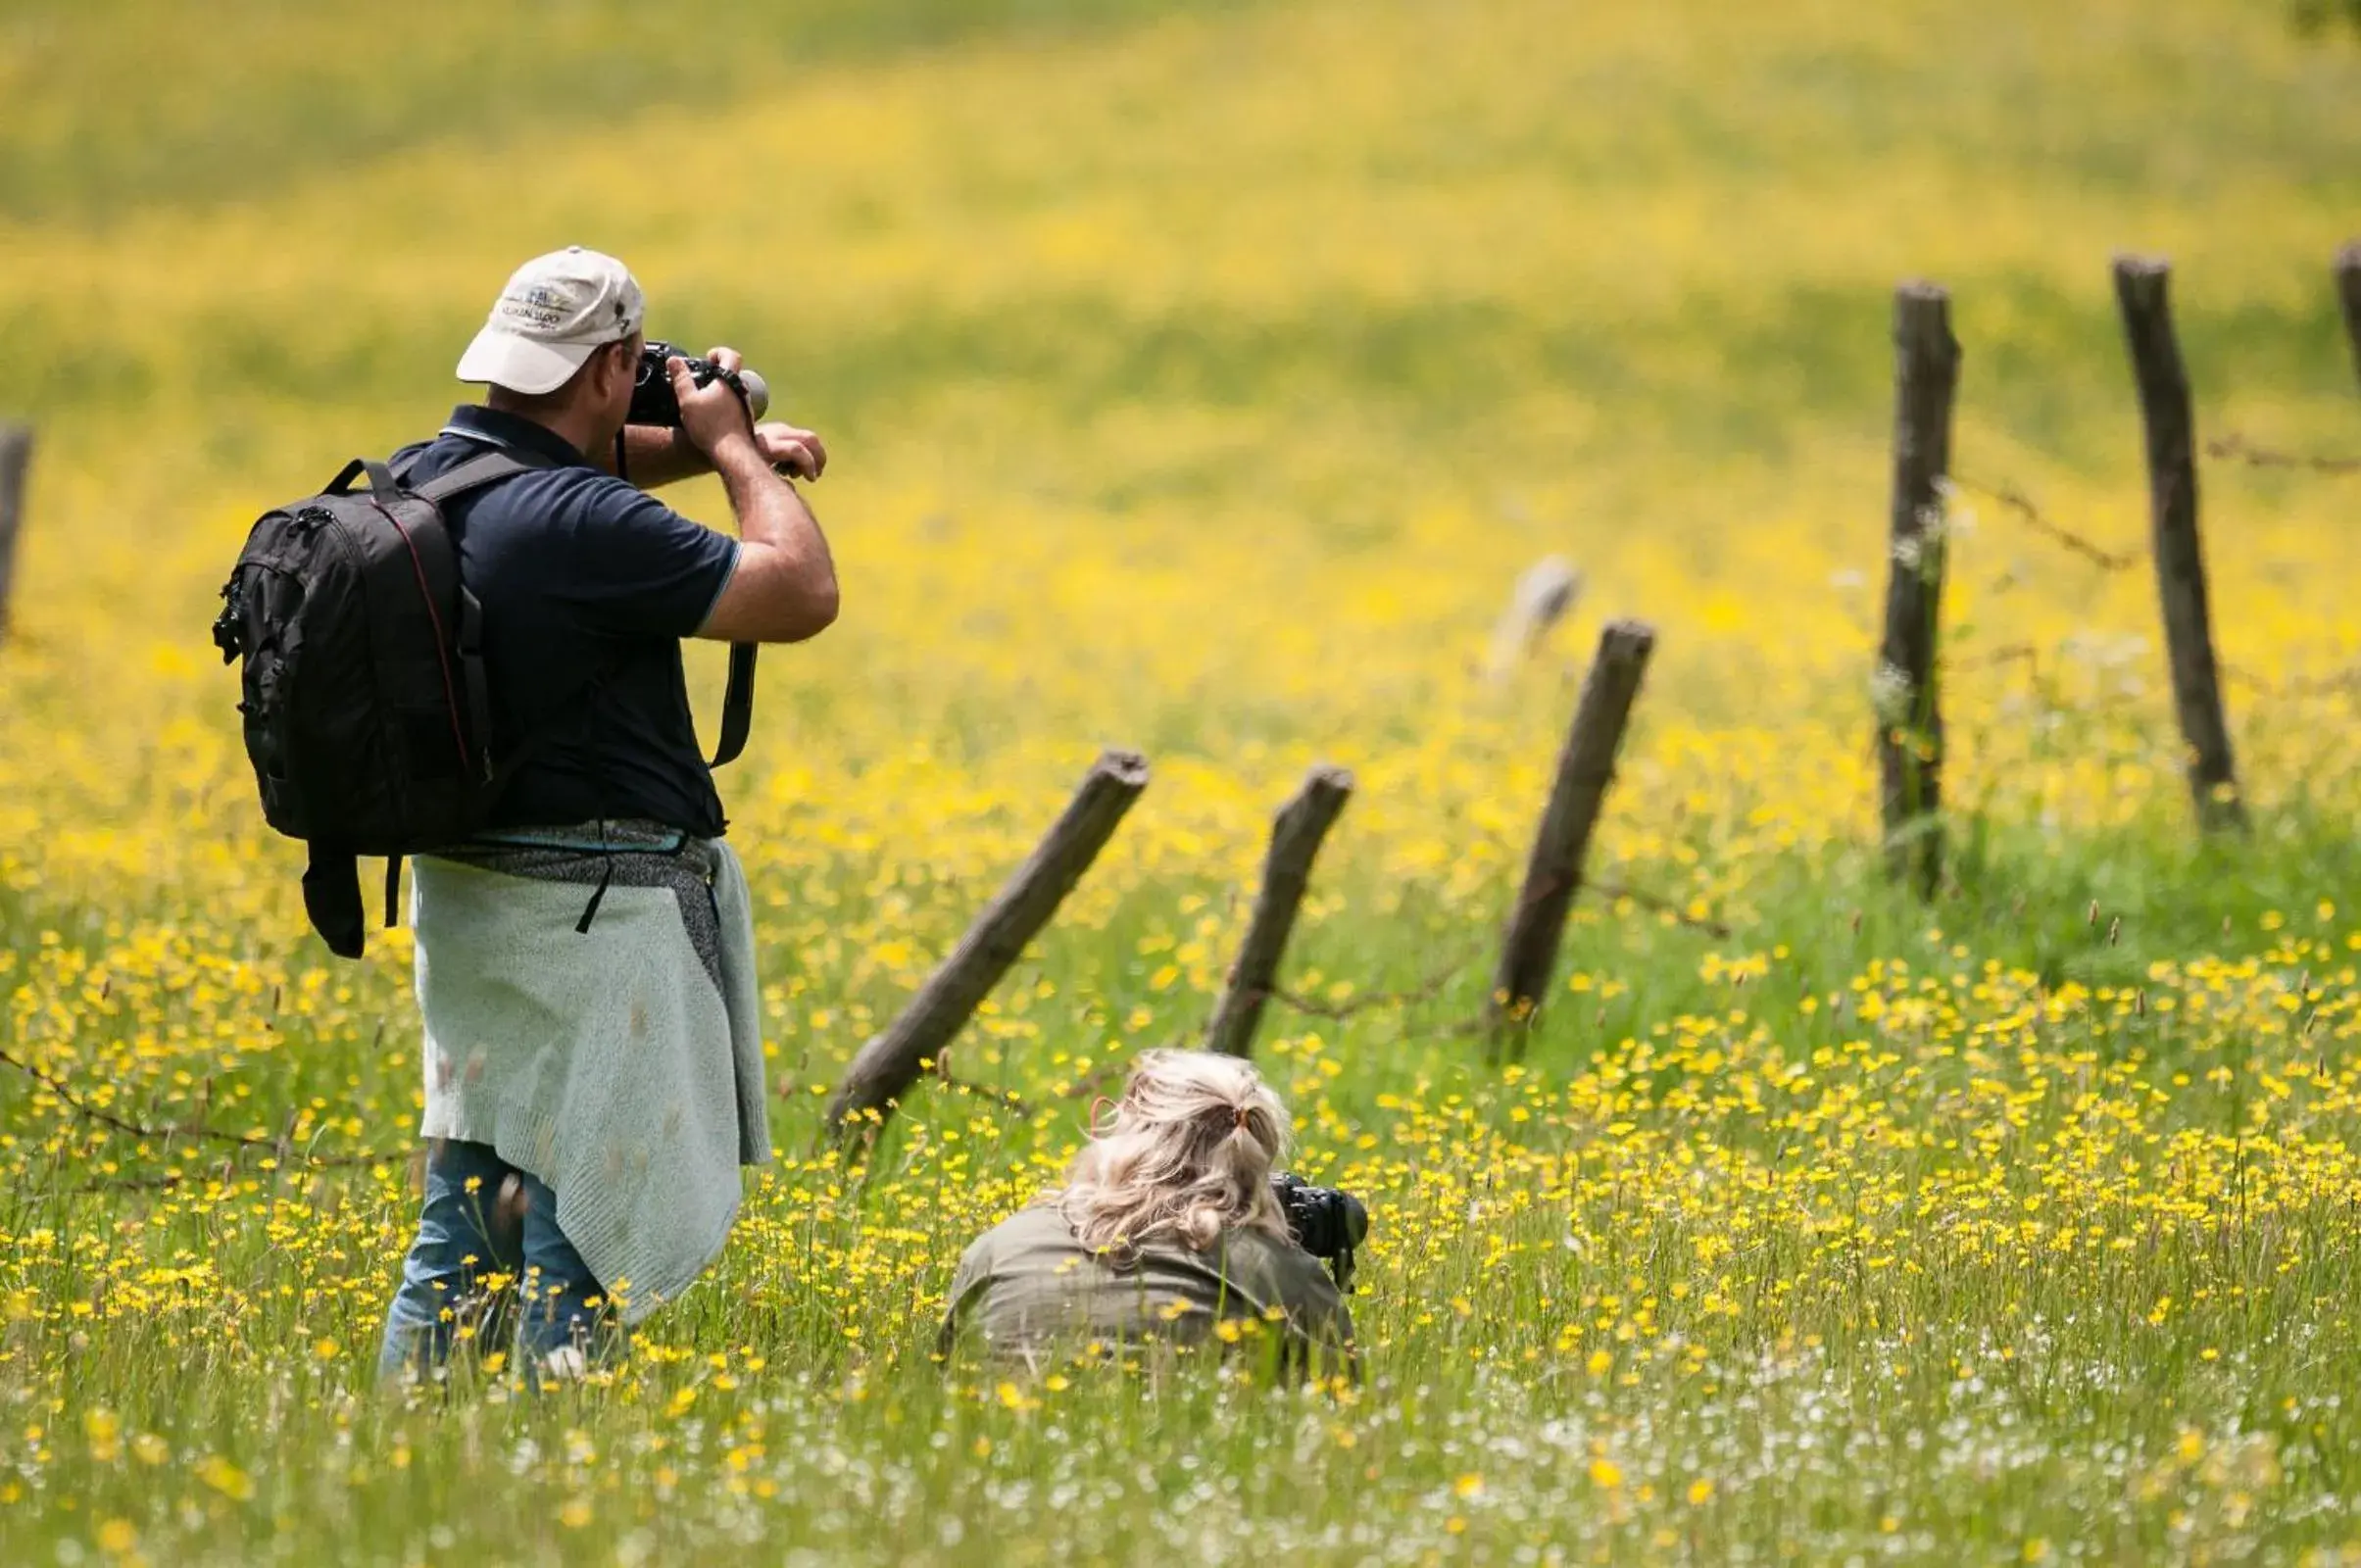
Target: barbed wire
281, 1147
2227, 447
2237, 448
1436, 983
2034, 517
1005, 1099
2318, 686
1426, 989
1663, 906
1994, 658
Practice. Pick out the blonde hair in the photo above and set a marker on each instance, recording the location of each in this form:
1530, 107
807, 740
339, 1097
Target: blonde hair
1184, 1156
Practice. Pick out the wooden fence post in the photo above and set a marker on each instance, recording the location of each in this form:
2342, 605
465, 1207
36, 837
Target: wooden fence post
1295, 836
891, 1061
1906, 692
1554, 872
2142, 290
1545, 591
2348, 296
15, 457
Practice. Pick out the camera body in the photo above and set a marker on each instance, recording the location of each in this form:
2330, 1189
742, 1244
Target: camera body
654, 402
1325, 1221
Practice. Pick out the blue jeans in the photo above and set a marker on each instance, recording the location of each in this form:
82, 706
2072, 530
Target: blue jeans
481, 1265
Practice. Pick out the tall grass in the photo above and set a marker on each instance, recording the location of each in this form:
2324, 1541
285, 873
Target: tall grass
1200, 378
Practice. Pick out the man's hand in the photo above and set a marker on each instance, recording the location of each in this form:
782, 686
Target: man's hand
794, 452
713, 415
790, 448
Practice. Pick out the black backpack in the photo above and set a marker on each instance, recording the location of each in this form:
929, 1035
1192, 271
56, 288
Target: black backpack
367, 712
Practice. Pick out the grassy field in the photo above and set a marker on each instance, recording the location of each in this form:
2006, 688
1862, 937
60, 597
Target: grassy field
1198, 379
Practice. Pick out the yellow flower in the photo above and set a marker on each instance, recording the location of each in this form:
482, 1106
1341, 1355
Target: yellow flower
225, 1478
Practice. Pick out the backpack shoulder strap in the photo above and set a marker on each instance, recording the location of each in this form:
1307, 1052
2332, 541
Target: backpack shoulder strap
485, 467
381, 480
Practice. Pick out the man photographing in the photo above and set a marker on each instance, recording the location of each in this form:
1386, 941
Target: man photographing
593, 1049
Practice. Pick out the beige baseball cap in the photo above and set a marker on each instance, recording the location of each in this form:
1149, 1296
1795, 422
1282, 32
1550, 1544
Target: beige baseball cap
554, 312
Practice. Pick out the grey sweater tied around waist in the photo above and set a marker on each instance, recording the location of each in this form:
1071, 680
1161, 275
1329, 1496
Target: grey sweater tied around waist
618, 1058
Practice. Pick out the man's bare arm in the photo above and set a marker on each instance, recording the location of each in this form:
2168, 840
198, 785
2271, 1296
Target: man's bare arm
655, 456
784, 589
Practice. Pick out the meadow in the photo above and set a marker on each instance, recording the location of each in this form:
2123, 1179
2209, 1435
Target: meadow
1198, 379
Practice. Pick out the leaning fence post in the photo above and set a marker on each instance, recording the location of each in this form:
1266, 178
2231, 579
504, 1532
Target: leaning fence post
2141, 289
1906, 692
891, 1061
1295, 835
15, 457
2348, 296
1554, 872
1545, 591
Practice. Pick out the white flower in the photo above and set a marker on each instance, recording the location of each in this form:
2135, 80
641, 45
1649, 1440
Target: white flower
1890, 690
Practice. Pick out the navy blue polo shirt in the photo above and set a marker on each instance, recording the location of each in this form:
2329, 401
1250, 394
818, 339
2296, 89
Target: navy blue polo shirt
587, 585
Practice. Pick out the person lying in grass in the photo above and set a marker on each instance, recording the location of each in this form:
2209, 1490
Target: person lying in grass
1168, 1229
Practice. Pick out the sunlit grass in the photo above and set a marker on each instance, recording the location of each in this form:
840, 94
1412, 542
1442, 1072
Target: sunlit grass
1201, 383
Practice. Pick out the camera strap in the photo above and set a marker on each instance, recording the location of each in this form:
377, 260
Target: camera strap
737, 705
738, 697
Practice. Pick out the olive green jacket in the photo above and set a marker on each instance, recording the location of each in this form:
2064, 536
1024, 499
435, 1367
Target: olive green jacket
1029, 1286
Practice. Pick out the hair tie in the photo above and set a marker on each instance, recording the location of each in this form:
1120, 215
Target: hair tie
1243, 1111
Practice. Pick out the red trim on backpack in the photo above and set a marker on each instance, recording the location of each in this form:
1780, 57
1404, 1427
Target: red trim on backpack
450, 693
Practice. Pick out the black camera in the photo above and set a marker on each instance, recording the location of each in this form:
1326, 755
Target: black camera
1325, 1221
654, 402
